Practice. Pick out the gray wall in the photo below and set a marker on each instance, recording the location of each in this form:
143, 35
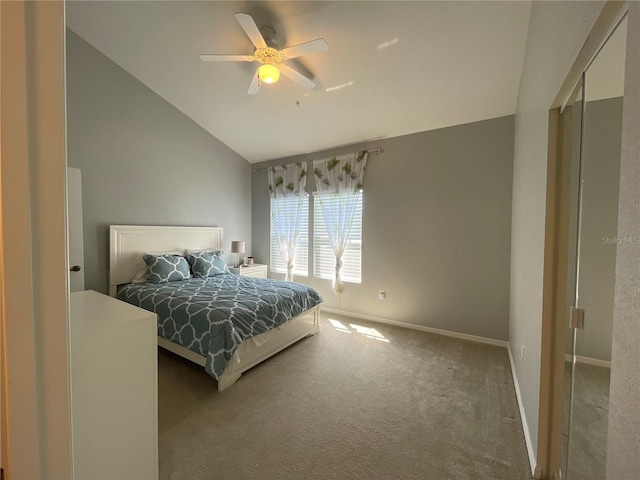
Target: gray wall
623, 447
144, 162
436, 229
557, 32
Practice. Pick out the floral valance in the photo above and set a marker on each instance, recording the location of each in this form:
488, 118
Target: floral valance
287, 180
341, 173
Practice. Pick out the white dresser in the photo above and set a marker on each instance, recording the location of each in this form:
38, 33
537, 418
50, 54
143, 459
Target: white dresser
255, 270
114, 388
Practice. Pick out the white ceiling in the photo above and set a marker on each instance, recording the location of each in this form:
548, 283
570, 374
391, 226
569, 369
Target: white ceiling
404, 66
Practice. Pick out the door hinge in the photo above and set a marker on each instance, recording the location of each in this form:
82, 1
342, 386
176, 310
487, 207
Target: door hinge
577, 317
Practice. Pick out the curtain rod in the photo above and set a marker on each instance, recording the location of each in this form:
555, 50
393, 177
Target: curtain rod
375, 151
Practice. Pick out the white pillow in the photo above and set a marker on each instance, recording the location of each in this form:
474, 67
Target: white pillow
188, 251
142, 271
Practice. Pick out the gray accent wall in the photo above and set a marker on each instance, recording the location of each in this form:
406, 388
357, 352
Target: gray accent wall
143, 161
436, 229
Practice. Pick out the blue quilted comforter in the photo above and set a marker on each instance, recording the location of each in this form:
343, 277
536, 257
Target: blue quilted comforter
212, 316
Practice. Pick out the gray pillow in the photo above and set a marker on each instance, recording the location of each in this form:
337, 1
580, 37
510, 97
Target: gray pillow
166, 268
207, 264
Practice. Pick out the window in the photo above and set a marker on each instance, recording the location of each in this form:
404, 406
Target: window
324, 261
286, 206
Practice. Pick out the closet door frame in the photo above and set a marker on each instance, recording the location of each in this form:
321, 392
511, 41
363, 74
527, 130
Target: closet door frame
555, 276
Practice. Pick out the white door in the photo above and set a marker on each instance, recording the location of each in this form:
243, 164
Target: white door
76, 242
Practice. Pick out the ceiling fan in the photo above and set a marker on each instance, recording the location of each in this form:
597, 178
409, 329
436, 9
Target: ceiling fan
271, 59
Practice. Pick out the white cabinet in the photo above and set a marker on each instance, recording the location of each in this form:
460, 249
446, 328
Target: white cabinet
114, 388
255, 270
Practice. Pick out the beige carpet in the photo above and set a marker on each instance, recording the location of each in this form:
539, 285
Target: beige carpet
357, 401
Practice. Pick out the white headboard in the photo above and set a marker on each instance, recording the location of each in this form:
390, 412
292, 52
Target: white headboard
129, 242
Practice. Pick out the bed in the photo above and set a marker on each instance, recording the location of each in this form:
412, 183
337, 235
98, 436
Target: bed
230, 344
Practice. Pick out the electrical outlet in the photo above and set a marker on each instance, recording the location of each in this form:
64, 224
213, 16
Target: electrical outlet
522, 353
382, 294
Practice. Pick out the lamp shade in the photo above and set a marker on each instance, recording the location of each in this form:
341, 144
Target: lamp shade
237, 246
268, 73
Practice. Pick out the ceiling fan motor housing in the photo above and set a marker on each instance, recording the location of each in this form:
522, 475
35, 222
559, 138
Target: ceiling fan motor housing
268, 55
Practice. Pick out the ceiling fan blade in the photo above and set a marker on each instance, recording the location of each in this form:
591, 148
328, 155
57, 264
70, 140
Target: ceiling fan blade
226, 58
255, 84
251, 29
314, 46
296, 76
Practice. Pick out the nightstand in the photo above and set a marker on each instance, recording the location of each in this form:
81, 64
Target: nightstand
255, 270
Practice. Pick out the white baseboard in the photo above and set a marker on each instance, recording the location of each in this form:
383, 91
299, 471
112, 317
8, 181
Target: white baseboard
523, 417
421, 328
589, 361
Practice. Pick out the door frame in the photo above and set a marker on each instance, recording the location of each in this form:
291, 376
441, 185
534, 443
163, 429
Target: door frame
34, 298
556, 247
74, 229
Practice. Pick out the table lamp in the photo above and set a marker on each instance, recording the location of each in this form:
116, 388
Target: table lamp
237, 247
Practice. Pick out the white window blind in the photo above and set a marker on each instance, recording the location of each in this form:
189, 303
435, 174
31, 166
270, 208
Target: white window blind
324, 261
300, 262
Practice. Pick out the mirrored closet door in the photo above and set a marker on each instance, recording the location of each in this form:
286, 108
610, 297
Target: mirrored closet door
595, 173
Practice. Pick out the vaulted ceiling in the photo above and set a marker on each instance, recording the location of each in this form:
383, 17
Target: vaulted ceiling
392, 68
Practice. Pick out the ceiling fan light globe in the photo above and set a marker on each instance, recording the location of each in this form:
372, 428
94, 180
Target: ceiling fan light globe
268, 73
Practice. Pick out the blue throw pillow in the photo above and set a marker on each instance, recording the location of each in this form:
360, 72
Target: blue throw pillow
166, 268
207, 264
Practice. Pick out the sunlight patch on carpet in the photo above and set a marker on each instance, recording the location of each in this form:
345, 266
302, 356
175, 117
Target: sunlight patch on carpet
339, 326
368, 332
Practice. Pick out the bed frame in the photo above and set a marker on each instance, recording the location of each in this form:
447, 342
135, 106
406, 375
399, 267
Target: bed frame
127, 245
